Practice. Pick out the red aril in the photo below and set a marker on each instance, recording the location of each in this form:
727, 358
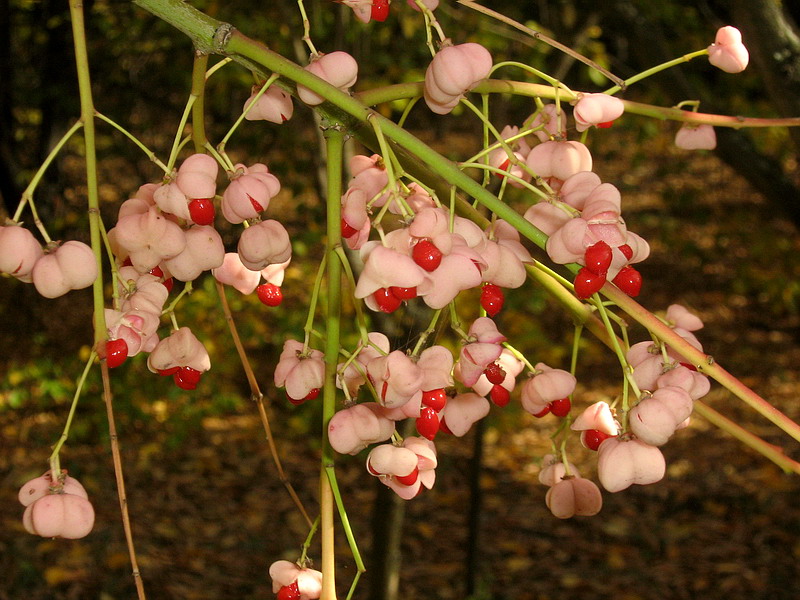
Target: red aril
443, 427
435, 399
256, 206
116, 352
592, 438
409, 479
289, 592
202, 211
380, 10
500, 395
492, 299
427, 423
543, 412
560, 407
386, 301
427, 255
587, 283
495, 373
313, 394
269, 294
169, 372
598, 258
403, 293
629, 280
605, 125
347, 230
187, 378
627, 251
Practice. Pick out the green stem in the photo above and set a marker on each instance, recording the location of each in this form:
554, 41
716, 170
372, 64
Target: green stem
149, 153
100, 333
27, 195
657, 69
312, 304
55, 464
303, 560
199, 68
334, 142
235, 126
348, 530
551, 80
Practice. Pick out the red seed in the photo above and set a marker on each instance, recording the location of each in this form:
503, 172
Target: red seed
435, 399
201, 210
495, 373
598, 258
256, 206
629, 280
403, 293
587, 283
500, 395
627, 251
269, 294
386, 301
427, 423
187, 378
409, 479
116, 352
289, 592
592, 438
560, 407
347, 230
492, 299
380, 10
427, 255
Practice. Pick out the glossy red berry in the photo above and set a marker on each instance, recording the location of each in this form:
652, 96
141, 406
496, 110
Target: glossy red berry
629, 280
386, 301
269, 294
427, 255
605, 125
587, 283
409, 479
380, 10
116, 352
403, 293
592, 438
495, 373
169, 372
598, 258
202, 211
627, 251
289, 592
492, 299
560, 407
347, 230
435, 399
187, 378
500, 395
427, 423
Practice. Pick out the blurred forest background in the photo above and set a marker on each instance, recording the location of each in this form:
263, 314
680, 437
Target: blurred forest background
208, 510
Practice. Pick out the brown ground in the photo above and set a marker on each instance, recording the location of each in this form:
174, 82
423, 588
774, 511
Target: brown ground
210, 515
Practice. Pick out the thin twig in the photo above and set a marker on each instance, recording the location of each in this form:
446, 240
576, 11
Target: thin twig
546, 39
258, 397
123, 498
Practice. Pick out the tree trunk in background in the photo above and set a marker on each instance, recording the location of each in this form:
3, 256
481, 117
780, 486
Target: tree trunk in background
774, 44
9, 191
646, 36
